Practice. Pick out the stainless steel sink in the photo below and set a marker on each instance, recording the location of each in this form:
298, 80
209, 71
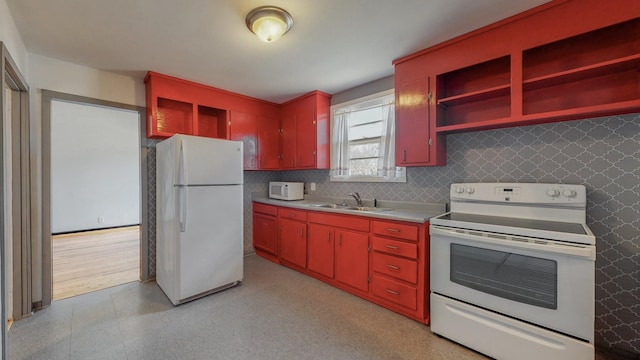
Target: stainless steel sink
355, 208
367, 208
332, 206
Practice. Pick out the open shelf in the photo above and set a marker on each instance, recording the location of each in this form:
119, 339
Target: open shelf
600, 46
477, 125
174, 117
581, 73
474, 79
476, 93
467, 113
479, 95
212, 122
623, 64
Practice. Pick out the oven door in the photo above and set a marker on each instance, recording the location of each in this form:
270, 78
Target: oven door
544, 282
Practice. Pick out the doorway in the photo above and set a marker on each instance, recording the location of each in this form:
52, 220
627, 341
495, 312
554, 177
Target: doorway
85, 179
95, 196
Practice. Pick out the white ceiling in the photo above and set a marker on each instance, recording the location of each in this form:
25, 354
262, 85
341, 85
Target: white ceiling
334, 44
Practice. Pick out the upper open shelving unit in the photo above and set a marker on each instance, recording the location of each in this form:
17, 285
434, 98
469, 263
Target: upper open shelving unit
476, 93
596, 73
596, 69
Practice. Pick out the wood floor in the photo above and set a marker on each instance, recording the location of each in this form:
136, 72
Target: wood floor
93, 260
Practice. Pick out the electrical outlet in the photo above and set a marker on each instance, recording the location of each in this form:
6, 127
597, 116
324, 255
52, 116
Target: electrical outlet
100, 219
313, 186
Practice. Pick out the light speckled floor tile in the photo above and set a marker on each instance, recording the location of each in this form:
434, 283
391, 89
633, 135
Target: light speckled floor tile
276, 313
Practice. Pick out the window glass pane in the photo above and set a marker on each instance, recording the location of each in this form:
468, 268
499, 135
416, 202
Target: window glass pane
361, 167
365, 131
364, 150
525, 279
358, 117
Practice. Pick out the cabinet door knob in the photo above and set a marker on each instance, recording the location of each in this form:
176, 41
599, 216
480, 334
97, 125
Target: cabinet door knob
404, 155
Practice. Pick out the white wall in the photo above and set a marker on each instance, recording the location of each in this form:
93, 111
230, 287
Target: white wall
11, 38
95, 167
55, 75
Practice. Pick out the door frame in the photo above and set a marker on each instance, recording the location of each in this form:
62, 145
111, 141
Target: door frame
47, 270
21, 256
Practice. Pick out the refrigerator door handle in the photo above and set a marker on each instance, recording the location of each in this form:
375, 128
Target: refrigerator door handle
182, 199
182, 194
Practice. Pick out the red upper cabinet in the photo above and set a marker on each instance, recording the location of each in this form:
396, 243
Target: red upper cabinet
244, 127
294, 135
414, 134
305, 132
180, 106
268, 143
288, 144
173, 107
564, 60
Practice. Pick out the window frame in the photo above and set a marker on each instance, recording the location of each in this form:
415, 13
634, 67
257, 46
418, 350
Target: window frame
402, 178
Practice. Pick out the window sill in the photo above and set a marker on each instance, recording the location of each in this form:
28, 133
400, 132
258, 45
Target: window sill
372, 179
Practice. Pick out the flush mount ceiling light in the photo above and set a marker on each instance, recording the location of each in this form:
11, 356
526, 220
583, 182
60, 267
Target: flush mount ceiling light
269, 23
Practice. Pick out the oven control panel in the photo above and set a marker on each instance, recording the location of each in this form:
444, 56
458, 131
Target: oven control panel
526, 193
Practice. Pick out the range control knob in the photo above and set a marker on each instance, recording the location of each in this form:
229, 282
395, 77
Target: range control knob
553, 192
459, 189
569, 193
470, 190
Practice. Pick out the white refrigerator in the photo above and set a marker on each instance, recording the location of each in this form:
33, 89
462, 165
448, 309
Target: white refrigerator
199, 237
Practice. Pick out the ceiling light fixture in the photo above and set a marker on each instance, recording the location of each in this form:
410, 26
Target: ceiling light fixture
269, 23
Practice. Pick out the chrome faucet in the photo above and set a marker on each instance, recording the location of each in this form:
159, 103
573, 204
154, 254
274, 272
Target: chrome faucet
357, 197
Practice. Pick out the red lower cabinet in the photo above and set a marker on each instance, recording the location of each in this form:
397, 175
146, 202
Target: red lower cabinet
321, 250
382, 261
293, 242
265, 230
352, 259
292, 226
265, 233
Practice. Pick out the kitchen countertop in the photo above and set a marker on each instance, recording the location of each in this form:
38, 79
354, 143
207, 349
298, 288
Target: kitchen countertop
397, 210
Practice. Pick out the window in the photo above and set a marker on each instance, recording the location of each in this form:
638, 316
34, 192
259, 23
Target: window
363, 140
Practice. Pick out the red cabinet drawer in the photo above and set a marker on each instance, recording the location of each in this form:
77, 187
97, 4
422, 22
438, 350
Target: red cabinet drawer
395, 292
288, 213
396, 267
265, 209
395, 247
402, 231
339, 220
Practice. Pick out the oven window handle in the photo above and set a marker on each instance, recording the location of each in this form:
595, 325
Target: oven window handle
581, 251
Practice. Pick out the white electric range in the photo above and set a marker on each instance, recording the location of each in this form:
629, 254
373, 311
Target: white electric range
513, 271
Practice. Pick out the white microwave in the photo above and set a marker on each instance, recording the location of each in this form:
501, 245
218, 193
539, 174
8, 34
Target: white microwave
286, 190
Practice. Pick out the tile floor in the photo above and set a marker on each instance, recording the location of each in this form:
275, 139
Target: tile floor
276, 313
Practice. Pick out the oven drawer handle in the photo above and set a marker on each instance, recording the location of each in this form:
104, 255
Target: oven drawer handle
582, 251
